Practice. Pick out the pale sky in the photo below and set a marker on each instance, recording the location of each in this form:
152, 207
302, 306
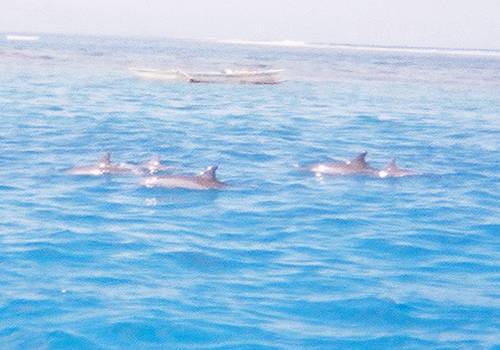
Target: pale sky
429, 23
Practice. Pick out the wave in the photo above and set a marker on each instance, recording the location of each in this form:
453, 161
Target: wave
22, 37
397, 49
418, 50
285, 43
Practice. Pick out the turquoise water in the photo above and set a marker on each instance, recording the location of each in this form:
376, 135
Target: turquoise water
281, 260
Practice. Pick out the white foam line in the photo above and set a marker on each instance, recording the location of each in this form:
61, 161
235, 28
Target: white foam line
22, 37
285, 43
433, 51
301, 44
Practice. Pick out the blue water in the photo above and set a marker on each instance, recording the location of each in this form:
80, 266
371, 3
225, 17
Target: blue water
281, 260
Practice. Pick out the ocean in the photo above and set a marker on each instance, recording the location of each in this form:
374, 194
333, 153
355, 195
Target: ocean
281, 259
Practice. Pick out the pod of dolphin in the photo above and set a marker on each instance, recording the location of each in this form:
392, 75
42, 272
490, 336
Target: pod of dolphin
153, 172
359, 166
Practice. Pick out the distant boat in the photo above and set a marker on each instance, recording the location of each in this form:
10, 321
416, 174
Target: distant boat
22, 37
226, 76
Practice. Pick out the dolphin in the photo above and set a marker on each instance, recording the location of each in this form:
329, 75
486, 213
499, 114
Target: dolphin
393, 170
154, 165
102, 167
204, 181
357, 166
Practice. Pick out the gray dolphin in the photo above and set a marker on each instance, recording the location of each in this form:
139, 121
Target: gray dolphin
204, 181
357, 166
154, 165
393, 170
102, 167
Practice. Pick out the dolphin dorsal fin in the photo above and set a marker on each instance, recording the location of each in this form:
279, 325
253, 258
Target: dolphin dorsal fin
360, 159
105, 160
156, 160
391, 165
209, 174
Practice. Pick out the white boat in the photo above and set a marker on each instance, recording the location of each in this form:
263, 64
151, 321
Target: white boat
226, 76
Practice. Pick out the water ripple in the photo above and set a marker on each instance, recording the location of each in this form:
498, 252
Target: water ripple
282, 259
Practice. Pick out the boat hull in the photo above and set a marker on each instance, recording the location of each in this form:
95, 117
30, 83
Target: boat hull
236, 77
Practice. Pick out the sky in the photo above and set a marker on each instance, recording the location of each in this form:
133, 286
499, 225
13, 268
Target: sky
421, 23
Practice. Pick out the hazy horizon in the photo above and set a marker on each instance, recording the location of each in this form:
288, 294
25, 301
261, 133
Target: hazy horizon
428, 24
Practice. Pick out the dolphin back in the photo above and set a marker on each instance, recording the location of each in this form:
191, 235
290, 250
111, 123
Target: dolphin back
393, 170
